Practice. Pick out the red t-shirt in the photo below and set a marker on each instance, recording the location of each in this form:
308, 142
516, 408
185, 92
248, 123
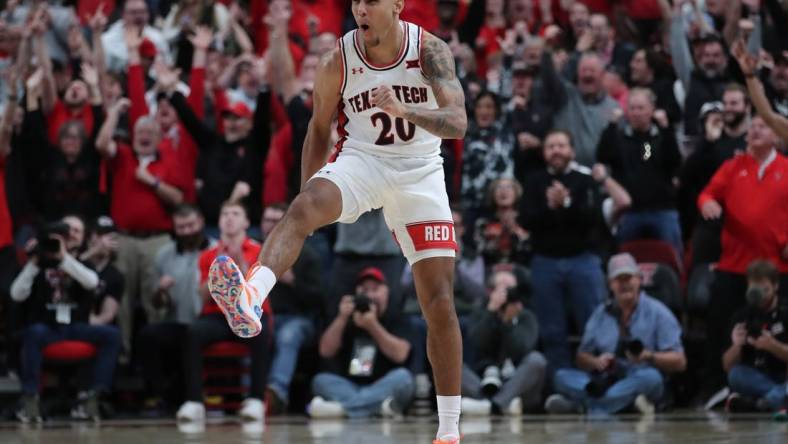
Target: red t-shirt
135, 205
755, 211
60, 115
250, 250
6, 231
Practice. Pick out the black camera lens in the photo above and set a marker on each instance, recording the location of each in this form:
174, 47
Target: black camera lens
362, 303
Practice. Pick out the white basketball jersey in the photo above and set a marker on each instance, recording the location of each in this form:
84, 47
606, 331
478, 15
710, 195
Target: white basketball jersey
367, 128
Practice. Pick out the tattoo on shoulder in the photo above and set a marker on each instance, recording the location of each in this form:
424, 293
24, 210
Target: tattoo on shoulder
437, 60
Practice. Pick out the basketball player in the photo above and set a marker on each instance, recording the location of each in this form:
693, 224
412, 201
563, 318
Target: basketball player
396, 94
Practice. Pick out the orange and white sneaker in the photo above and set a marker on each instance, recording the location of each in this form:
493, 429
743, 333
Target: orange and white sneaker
239, 301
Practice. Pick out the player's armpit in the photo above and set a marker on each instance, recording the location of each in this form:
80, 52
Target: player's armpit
449, 121
325, 98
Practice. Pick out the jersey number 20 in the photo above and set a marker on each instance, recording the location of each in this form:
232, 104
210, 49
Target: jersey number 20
386, 136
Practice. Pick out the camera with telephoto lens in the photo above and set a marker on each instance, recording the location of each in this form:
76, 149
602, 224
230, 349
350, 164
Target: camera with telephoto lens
601, 381
47, 247
362, 303
634, 347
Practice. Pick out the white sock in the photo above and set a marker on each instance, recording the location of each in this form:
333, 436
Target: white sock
263, 280
449, 417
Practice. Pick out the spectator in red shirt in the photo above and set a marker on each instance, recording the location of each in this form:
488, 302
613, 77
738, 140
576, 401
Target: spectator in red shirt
751, 191
7, 250
77, 99
211, 326
144, 189
176, 141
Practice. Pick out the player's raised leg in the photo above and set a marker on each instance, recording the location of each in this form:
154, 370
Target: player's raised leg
434, 279
241, 298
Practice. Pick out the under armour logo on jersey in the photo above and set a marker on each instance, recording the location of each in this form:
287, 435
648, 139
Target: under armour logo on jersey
358, 70
410, 64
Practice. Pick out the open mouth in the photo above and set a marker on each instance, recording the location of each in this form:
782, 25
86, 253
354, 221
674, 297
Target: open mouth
364, 27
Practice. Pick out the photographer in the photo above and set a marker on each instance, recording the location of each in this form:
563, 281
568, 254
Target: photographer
628, 343
756, 359
58, 293
365, 354
504, 335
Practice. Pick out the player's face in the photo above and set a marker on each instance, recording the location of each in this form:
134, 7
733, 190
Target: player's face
376, 19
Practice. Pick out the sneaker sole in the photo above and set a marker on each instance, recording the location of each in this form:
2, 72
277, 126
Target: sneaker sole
226, 285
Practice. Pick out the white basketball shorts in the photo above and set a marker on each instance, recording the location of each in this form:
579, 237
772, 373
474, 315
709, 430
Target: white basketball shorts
411, 191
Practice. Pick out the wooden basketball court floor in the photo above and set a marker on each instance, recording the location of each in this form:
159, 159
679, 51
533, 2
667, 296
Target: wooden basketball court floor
677, 428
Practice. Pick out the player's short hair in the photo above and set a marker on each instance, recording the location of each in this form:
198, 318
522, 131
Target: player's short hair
760, 269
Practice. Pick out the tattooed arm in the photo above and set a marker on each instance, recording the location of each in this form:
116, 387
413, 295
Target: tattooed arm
449, 121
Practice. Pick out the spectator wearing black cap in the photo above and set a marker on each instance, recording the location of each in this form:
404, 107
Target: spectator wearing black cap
644, 157
364, 353
101, 252
504, 335
724, 133
705, 76
628, 343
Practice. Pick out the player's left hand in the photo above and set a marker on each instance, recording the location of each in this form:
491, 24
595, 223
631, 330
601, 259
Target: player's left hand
384, 98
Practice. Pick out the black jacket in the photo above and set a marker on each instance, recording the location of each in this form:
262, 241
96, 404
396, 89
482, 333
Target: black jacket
221, 164
642, 162
561, 232
305, 295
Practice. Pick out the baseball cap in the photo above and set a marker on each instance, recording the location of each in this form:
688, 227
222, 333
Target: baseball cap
105, 224
710, 107
238, 109
373, 273
147, 49
621, 264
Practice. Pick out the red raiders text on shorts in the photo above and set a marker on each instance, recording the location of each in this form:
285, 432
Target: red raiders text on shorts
432, 235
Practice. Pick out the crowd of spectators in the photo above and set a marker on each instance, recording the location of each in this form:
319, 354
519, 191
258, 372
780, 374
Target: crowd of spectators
140, 139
